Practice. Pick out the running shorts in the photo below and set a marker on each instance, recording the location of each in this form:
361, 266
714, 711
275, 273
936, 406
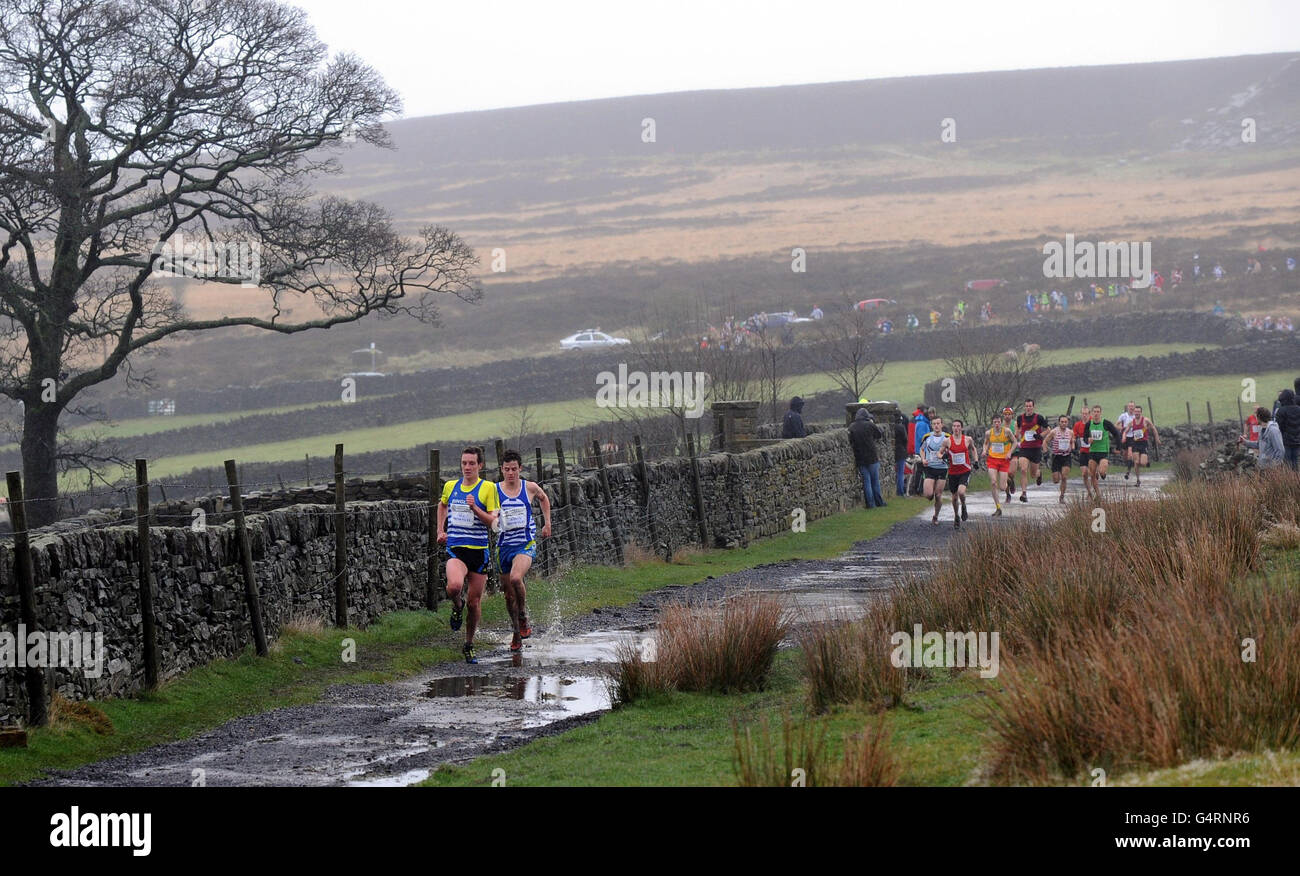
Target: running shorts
996, 464
957, 480
506, 555
475, 559
1060, 461
1140, 447
1033, 454
1097, 455
935, 474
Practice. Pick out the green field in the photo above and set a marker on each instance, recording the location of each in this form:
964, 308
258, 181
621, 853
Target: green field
900, 381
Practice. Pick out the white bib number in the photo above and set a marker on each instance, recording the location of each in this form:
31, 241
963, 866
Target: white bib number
959, 459
514, 517
1030, 434
461, 516
1097, 433
1137, 434
997, 447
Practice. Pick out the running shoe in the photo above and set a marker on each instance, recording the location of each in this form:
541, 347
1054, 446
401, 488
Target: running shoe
1038, 481
1024, 498
956, 523
963, 510
935, 520
1125, 475
470, 655
525, 629
457, 615
516, 643
998, 512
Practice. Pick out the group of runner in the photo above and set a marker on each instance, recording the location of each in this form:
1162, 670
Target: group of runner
1017, 446
470, 508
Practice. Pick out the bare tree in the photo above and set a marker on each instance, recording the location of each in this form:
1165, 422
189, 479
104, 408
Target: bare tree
984, 381
772, 355
846, 349
132, 128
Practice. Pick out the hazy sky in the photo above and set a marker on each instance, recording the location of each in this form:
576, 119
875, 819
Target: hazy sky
483, 54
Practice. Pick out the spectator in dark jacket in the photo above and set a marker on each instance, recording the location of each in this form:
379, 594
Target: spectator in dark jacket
863, 435
900, 453
1288, 423
792, 424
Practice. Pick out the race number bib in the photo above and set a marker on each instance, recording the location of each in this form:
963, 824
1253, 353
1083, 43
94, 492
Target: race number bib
461, 516
1030, 434
1137, 434
959, 459
997, 447
1096, 434
514, 517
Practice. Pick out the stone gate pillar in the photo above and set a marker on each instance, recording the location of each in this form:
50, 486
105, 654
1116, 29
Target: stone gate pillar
733, 425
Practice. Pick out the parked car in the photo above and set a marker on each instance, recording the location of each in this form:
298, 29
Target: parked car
588, 338
982, 285
869, 303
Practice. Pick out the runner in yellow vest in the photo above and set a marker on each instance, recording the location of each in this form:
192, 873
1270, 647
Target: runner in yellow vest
1000, 442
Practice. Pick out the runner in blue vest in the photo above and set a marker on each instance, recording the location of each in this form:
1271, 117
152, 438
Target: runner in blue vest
517, 538
467, 509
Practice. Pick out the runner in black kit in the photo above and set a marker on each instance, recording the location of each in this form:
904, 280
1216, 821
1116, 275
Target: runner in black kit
1141, 431
1030, 428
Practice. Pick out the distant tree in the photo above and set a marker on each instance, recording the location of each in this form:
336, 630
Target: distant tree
847, 350
984, 381
139, 137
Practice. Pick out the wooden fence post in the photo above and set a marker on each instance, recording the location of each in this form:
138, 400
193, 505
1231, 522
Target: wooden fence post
1189, 412
37, 709
340, 542
246, 556
609, 502
501, 451
1209, 414
543, 549
1151, 409
643, 475
699, 490
570, 537
145, 559
435, 498
1241, 418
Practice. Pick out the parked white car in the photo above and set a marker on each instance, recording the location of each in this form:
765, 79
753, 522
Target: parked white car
588, 338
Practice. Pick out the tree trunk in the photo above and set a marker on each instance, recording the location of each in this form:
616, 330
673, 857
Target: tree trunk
40, 468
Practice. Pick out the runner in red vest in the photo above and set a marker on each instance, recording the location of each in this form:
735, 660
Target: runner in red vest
1030, 428
1252, 429
1060, 442
962, 456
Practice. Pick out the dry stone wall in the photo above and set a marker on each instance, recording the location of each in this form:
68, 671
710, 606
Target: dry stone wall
86, 578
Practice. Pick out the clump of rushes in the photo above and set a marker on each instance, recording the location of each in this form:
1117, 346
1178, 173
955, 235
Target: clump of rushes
1143, 637
721, 647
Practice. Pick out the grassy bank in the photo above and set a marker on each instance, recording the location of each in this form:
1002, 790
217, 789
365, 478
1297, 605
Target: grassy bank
304, 662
